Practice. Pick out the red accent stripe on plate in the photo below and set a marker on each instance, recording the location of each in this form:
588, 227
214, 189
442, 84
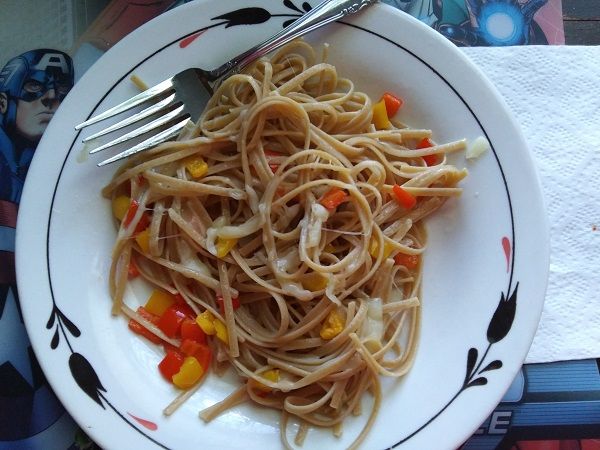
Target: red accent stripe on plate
188, 40
506, 247
145, 423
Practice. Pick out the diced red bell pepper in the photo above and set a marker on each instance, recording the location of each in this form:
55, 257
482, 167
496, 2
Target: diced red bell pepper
204, 356
147, 315
424, 143
392, 103
133, 207
142, 331
188, 347
171, 320
132, 269
191, 330
182, 306
171, 364
270, 154
199, 351
142, 223
131, 212
430, 160
235, 302
404, 197
333, 198
408, 261
166, 347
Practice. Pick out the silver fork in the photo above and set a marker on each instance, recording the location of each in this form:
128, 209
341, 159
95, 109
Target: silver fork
187, 93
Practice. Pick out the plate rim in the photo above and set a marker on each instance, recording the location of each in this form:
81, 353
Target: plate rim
491, 89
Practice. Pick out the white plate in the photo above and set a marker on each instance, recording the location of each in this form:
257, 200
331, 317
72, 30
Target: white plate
482, 246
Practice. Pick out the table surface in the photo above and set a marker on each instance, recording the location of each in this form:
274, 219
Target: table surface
582, 22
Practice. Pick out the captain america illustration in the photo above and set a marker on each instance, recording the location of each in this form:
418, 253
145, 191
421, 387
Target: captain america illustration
32, 86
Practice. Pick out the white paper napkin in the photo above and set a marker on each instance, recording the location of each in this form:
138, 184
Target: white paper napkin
554, 93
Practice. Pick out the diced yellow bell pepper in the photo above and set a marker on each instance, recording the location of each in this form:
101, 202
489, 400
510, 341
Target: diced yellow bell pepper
314, 281
333, 325
158, 302
189, 373
224, 246
143, 240
380, 117
271, 375
374, 248
196, 166
212, 326
205, 321
221, 331
120, 206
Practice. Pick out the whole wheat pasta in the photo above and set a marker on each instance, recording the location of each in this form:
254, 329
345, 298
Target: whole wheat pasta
289, 207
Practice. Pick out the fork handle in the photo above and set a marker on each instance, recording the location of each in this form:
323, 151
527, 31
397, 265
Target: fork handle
324, 13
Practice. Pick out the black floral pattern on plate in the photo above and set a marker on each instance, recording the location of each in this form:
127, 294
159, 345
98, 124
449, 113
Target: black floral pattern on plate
498, 328
255, 16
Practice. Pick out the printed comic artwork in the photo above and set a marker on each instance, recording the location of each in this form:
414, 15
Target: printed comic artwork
32, 85
487, 22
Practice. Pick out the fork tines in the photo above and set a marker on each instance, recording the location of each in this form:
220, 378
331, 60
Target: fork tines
136, 100
163, 136
171, 106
